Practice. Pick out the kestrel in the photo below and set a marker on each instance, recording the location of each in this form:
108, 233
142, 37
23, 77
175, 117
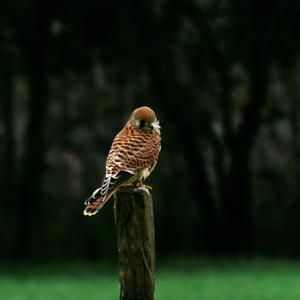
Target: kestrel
131, 159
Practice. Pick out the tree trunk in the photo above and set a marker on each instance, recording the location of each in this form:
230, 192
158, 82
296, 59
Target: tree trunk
238, 197
7, 99
8, 159
136, 248
31, 239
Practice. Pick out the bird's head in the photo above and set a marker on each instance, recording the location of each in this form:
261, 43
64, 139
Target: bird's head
144, 118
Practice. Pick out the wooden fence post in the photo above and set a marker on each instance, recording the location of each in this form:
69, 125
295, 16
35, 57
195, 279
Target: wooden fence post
133, 210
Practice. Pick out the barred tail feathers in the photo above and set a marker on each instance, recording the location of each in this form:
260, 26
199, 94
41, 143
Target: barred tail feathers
94, 206
100, 196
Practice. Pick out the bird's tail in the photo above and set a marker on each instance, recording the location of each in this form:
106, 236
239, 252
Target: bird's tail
94, 205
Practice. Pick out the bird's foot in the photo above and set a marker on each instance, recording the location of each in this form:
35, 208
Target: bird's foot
142, 188
140, 184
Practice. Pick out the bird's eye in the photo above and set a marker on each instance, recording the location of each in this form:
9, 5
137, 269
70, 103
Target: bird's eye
142, 123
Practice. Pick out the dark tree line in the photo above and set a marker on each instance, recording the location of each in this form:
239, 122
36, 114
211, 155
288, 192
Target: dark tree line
223, 77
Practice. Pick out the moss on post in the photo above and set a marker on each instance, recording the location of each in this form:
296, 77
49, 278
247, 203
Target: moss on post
136, 248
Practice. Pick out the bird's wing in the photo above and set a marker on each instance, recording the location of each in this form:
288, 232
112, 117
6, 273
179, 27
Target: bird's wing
110, 184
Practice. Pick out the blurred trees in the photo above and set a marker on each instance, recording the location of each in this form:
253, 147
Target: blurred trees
223, 77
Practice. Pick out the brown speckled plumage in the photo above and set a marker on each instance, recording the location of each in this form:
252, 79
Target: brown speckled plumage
132, 157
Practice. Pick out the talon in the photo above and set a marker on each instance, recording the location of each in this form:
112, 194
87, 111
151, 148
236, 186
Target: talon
140, 184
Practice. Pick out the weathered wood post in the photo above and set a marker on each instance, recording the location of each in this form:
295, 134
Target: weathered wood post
136, 248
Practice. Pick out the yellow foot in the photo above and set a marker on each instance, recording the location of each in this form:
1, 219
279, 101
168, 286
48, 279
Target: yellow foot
142, 185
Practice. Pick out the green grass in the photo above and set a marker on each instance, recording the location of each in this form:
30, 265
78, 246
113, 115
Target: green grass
180, 279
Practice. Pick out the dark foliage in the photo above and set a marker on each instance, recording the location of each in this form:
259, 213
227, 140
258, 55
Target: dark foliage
223, 77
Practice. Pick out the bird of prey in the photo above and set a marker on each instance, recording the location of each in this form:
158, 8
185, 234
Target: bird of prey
131, 159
